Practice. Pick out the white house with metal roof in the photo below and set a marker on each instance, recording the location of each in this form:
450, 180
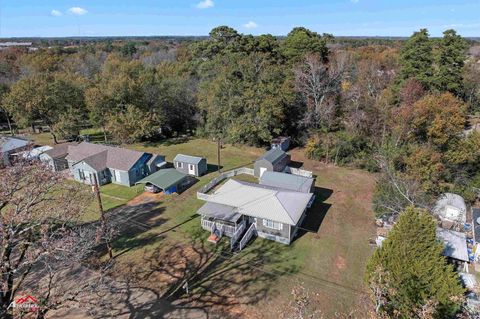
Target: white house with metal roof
271, 212
191, 165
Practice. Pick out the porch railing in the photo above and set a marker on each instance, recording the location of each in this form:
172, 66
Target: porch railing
227, 229
237, 234
247, 236
201, 194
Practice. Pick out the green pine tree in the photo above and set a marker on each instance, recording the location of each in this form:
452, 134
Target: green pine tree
408, 273
450, 61
416, 58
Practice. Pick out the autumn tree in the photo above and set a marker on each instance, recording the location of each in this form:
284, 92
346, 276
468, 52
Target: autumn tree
416, 58
408, 273
450, 62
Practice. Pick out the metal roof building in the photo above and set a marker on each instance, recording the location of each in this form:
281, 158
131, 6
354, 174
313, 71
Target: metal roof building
165, 179
451, 207
287, 181
187, 159
455, 244
262, 201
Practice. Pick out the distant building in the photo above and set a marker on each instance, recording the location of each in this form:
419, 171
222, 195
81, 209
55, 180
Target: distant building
282, 143
451, 208
191, 165
167, 180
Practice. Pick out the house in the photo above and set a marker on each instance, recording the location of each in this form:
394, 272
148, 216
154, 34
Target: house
282, 143
10, 145
110, 164
55, 157
288, 181
271, 212
451, 209
455, 247
275, 160
191, 165
167, 180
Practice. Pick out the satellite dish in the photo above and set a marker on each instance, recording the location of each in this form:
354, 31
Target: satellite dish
478, 220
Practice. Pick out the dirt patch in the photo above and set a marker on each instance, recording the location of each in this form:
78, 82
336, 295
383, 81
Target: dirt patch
146, 197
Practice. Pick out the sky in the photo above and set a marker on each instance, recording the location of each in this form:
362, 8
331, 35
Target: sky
53, 18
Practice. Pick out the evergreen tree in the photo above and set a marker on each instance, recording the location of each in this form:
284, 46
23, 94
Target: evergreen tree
301, 41
450, 61
416, 58
408, 272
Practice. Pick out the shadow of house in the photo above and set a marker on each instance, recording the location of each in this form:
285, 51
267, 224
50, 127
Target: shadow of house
317, 212
212, 168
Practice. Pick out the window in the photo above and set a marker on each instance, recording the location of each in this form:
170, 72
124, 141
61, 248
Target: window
191, 167
273, 225
81, 174
179, 164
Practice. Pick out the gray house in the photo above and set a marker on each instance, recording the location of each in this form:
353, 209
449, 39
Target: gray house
110, 164
237, 207
191, 165
55, 157
275, 160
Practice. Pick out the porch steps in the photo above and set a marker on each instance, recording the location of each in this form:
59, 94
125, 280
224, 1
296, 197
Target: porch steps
246, 237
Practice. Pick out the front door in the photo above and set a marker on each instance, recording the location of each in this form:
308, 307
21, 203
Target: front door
191, 169
118, 176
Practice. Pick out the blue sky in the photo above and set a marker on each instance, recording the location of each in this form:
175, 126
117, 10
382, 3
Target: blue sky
197, 17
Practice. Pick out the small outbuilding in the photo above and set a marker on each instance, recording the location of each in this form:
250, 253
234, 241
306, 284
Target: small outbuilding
281, 142
191, 165
455, 246
10, 145
288, 181
275, 160
167, 180
451, 208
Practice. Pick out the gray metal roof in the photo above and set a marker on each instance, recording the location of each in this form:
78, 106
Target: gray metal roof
219, 211
164, 178
455, 244
262, 201
287, 181
9, 143
452, 207
273, 155
187, 159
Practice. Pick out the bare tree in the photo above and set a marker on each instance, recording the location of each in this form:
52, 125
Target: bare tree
319, 84
39, 237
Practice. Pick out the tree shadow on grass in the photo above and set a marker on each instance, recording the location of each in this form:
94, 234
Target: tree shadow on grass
315, 214
218, 281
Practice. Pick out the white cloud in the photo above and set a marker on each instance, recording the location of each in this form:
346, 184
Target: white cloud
205, 4
55, 13
77, 11
250, 25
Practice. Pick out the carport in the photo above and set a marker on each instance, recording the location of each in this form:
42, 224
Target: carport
169, 180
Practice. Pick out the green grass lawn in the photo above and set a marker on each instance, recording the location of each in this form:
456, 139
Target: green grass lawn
329, 260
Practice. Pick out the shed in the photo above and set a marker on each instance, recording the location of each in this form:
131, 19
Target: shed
455, 244
169, 180
288, 181
191, 165
10, 145
275, 160
281, 142
451, 207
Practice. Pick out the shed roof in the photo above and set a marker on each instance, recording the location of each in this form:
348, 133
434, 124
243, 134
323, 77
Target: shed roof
274, 155
164, 178
449, 202
187, 159
114, 157
287, 181
455, 244
10, 143
262, 201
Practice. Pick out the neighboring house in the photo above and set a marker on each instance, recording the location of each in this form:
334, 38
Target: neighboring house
451, 209
191, 165
10, 145
288, 181
167, 180
271, 212
455, 247
275, 160
110, 164
55, 157
282, 143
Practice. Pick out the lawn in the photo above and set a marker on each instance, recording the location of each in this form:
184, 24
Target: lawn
328, 258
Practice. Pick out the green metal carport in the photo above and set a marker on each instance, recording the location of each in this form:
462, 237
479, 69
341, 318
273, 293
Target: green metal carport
167, 179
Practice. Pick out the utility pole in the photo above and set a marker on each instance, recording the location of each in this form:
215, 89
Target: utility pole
218, 154
103, 218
